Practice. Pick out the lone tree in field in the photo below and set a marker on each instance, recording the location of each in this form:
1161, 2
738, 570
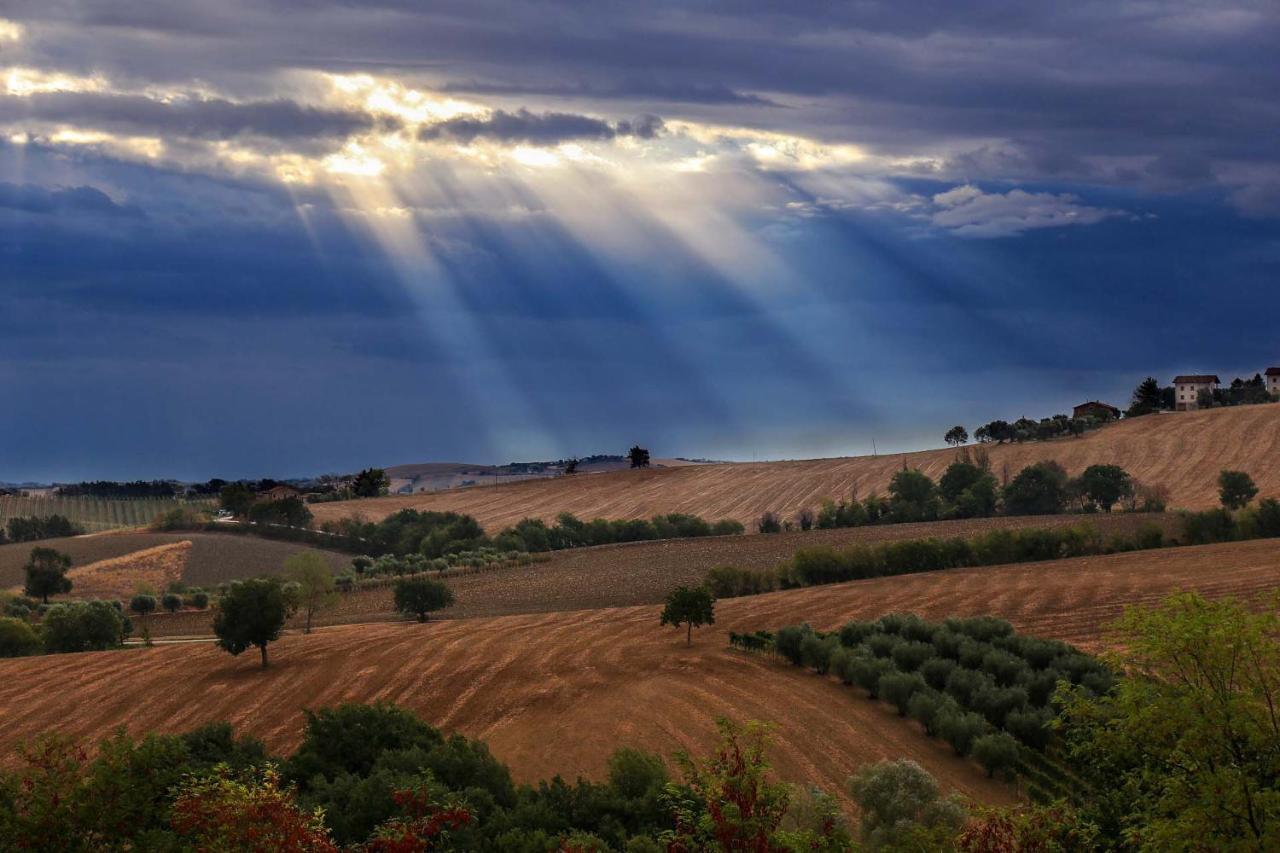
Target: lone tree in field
1103, 485
1236, 489
419, 597
47, 573
956, 436
691, 606
314, 591
252, 613
639, 457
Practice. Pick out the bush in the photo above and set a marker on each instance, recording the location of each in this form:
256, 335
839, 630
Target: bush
1031, 726
419, 597
881, 645
897, 688
199, 600
909, 656
867, 671
961, 729
925, 706
1208, 527
996, 752
995, 703
82, 626
815, 652
142, 604
936, 671
769, 523
963, 683
171, 602
901, 808
853, 633
790, 642
18, 639
1004, 667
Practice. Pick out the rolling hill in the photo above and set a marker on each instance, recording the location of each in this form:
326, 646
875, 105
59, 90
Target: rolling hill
1183, 451
557, 692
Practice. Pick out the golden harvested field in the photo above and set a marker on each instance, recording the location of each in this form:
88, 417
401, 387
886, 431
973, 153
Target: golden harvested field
213, 557
1183, 451
121, 577
557, 692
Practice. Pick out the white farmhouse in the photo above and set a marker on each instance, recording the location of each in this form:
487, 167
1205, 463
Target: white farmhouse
1272, 378
1186, 389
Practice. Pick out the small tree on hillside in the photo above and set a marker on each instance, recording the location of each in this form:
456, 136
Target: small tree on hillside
252, 613
46, 573
1236, 489
956, 436
1039, 489
171, 602
1104, 485
143, 605
370, 483
419, 597
638, 456
691, 606
314, 582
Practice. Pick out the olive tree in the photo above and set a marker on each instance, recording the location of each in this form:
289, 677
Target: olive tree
314, 580
418, 596
691, 606
46, 573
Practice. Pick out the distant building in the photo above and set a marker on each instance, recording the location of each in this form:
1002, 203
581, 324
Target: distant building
1186, 390
1272, 377
279, 493
1095, 409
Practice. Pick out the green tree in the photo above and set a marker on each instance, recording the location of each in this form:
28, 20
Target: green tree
913, 496
1104, 485
1236, 489
143, 605
236, 498
17, 638
902, 808
252, 613
419, 597
370, 483
171, 602
1039, 489
82, 626
691, 606
46, 572
997, 753
314, 579
638, 456
956, 436
1186, 746
1147, 398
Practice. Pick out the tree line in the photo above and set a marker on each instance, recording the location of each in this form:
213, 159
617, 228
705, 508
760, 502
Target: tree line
34, 528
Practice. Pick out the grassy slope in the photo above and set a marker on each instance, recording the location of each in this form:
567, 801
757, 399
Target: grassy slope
1183, 451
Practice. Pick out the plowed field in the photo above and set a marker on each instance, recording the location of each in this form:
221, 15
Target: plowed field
557, 692
1184, 451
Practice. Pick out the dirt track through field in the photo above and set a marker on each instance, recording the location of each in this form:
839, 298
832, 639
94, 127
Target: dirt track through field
1183, 451
557, 692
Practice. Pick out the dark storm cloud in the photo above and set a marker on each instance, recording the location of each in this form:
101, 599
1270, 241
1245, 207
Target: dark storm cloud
30, 198
537, 128
202, 118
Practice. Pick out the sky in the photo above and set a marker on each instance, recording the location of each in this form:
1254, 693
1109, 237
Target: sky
280, 239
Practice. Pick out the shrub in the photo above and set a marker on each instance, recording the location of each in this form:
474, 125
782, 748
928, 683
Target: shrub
963, 683
1266, 518
769, 523
815, 566
867, 672
898, 688
419, 597
344, 582
815, 652
881, 645
853, 633
18, 639
1040, 686
1030, 725
142, 604
936, 671
997, 752
82, 626
909, 656
925, 706
971, 653
790, 641
961, 729
948, 643
995, 703
901, 808
171, 602
199, 600
1209, 526
1004, 667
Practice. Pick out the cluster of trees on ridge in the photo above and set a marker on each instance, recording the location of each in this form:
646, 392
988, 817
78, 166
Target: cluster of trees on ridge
1167, 739
968, 489
1151, 397
34, 528
1236, 520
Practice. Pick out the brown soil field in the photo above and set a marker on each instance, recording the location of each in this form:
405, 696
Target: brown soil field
213, 558
556, 693
1183, 451
644, 572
